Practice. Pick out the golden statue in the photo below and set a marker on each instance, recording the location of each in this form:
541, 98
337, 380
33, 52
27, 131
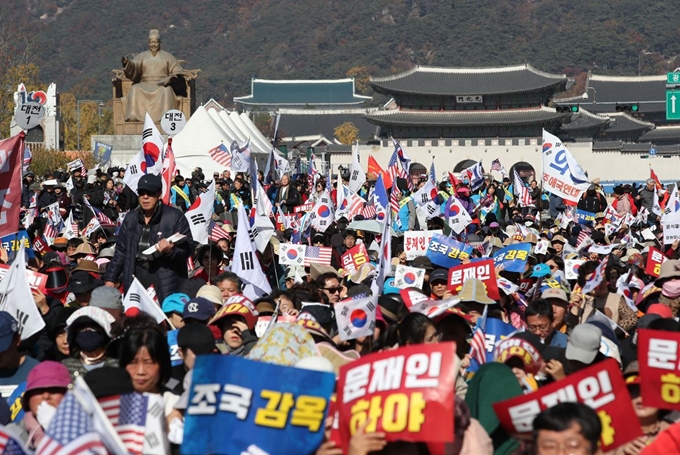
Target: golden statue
153, 73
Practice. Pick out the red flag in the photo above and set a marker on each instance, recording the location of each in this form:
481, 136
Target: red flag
169, 171
454, 181
11, 160
375, 168
652, 175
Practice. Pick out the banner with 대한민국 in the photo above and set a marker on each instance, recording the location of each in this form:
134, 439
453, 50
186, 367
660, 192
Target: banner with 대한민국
234, 404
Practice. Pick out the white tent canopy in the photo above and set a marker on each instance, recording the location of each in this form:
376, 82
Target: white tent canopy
207, 129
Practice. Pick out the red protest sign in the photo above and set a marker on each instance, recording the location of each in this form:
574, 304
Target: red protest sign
600, 386
654, 260
407, 393
482, 270
303, 208
658, 357
37, 281
354, 258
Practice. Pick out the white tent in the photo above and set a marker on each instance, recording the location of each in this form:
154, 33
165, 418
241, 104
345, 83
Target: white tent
203, 132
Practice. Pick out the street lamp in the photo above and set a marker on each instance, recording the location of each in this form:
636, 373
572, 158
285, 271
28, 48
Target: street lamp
99, 103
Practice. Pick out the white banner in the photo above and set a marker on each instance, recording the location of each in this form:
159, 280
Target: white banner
416, 242
562, 175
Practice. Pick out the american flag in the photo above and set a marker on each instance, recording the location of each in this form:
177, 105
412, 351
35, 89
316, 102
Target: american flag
222, 155
49, 233
103, 219
522, 191
217, 232
394, 197
28, 157
582, 237
127, 414
478, 343
394, 169
368, 212
71, 431
9, 445
318, 255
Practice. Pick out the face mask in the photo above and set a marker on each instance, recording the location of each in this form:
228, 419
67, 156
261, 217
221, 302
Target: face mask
671, 289
45, 413
89, 340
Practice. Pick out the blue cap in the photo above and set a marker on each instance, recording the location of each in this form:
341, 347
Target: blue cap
199, 308
8, 328
175, 302
540, 271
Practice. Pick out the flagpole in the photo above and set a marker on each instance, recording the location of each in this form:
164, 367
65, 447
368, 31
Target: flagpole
164, 315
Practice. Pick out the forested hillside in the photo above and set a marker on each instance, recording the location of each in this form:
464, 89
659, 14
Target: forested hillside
80, 41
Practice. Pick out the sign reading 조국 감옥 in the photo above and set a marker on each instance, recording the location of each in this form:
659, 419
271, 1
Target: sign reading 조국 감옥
513, 258
446, 252
234, 404
407, 393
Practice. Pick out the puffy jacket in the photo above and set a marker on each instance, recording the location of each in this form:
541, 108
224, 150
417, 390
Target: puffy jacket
167, 269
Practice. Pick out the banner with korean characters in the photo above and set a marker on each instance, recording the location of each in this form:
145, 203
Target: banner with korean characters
36, 280
446, 252
354, 258
654, 260
658, 358
671, 231
482, 270
13, 242
513, 258
600, 386
407, 393
416, 242
405, 277
235, 407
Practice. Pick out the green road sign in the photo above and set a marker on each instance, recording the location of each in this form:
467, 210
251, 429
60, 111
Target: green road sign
672, 104
673, 78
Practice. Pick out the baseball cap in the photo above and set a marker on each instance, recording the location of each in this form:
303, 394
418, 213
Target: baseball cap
555, 293
540, 271
197, 337
199, 308
175, 302
107, 298
46, 374
422, 262
584, 343
439, 275
8, 328
659, 308
150, 182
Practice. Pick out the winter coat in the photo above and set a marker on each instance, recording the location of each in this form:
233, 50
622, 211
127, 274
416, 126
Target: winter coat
168, 269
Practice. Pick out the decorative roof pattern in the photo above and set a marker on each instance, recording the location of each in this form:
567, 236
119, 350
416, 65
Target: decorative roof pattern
622, 122
465, 118
302, 93
662, 133
425, 80
586, 120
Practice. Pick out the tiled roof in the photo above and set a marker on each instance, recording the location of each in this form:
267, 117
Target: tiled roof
464, 118
622, 122
424, 80
585, 120
662, 133
647, 91
311, 123
302, 92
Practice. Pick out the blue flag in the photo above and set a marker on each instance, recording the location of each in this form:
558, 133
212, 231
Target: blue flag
513, 258
494, 332
585, 217
446, 252
175, 358
235, 404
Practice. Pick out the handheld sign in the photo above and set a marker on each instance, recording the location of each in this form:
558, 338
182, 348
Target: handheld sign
407, 393
234, 404
354, 258
446, 252
658, 356
513, 258
173, 122
416, 242
600, 386
482, 270
654, 261
29, 115
175, 358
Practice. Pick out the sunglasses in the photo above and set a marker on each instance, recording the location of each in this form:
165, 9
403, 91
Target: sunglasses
145, 193
335, 290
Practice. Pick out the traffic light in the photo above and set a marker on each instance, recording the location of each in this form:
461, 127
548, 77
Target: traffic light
569, 108
628, 107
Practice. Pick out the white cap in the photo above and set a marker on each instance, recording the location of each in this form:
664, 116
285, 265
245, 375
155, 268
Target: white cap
316, 363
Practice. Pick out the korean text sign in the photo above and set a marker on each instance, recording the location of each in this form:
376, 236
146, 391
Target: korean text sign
599, 386
446, 252
407, 393
513, 258
12, 243
482, 270
654, 261
354, 258
416, 242
36, 281
658, 357
234, 403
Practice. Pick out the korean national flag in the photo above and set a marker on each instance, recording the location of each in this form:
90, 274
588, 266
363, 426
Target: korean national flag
355, 318
290, 254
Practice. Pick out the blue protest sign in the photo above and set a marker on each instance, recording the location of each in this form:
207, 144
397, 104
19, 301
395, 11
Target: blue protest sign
102, 152
513, 258
12, 243
494, 332
238, 405
174, 349
585, 217
446, 252
16, 411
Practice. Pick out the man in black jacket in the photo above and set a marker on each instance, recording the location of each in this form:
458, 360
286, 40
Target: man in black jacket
288, 196
148, 225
